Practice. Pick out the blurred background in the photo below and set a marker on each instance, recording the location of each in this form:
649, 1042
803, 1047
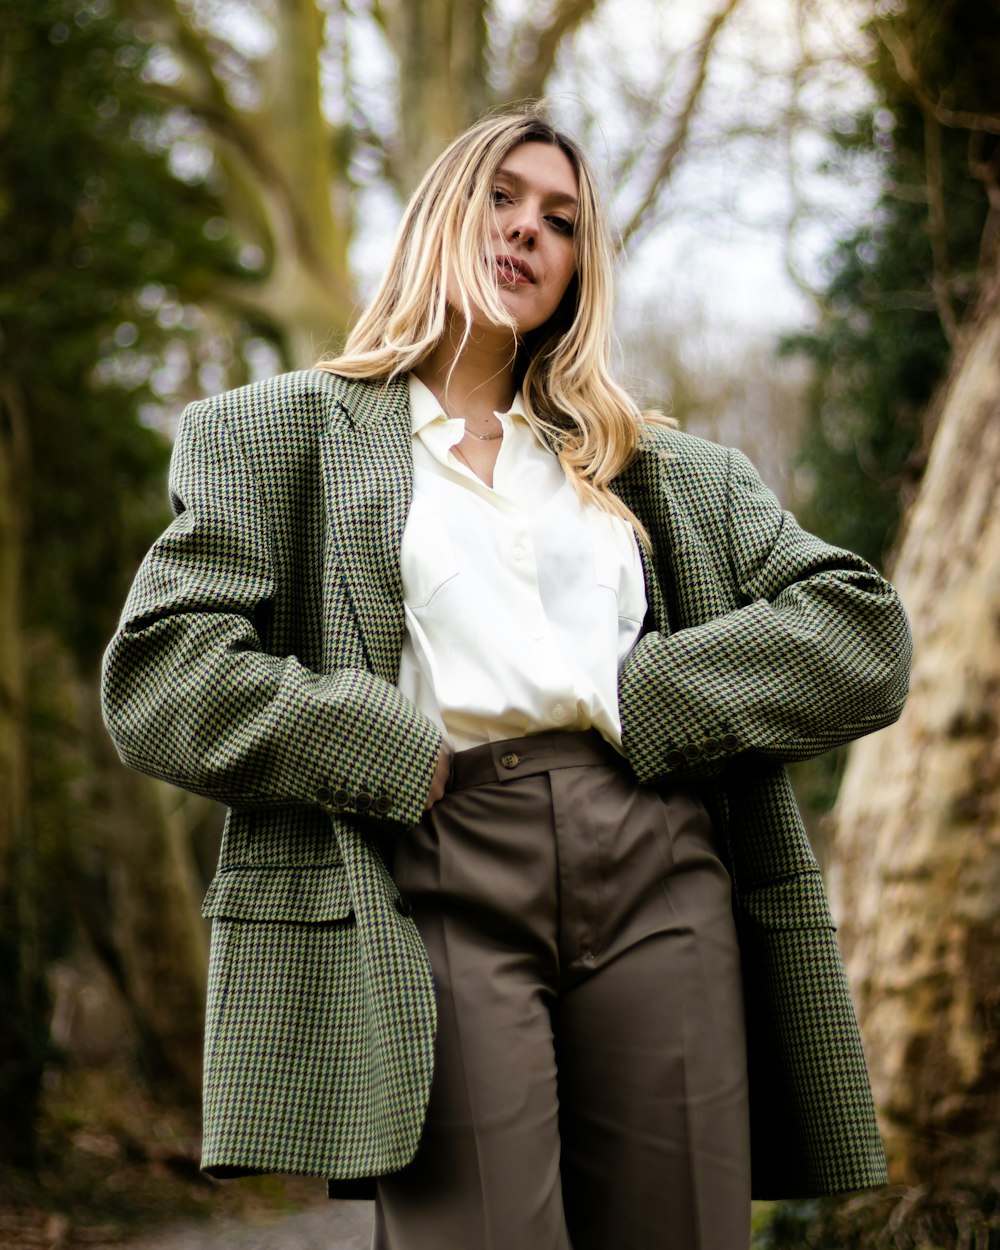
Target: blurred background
198, 193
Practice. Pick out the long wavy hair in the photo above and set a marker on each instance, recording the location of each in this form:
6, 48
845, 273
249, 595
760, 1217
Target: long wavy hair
563, 367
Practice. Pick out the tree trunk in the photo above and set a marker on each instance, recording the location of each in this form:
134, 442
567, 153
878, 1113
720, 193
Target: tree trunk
22, 988
916, 869
443, 76
149, 930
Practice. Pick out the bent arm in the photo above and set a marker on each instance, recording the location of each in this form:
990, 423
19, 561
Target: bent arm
817, 653
191, 696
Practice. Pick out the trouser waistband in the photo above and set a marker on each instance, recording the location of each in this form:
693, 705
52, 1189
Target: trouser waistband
537, 753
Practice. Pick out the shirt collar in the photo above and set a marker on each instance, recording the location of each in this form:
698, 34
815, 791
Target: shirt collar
424, 406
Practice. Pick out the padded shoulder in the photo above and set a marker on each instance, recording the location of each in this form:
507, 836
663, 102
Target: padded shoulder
305, 395
686, 450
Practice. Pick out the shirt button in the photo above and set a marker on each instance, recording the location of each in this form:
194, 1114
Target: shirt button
517, 553
559, 711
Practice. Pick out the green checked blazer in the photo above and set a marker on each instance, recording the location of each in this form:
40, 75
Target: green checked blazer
255, 663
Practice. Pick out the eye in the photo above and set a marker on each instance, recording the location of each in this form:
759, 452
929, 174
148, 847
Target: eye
563, 225
500, 196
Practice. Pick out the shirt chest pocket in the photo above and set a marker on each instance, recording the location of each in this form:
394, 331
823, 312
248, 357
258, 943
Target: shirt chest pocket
427, 556
617, 566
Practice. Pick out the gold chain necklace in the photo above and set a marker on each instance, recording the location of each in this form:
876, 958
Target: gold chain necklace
484, 438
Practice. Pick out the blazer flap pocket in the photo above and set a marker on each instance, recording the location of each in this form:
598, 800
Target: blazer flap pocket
307, 894
797, 902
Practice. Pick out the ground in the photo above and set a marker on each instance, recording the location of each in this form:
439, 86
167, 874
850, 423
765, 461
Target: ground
117, 1169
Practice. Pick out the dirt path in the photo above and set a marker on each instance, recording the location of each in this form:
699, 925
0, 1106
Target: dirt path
335, 1226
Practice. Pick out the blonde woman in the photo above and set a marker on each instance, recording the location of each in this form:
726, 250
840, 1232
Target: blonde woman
515, 921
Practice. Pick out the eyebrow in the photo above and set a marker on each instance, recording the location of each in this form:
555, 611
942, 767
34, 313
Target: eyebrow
556, 197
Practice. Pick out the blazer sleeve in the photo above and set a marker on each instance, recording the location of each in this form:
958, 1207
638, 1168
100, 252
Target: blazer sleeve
816, 651
189, 693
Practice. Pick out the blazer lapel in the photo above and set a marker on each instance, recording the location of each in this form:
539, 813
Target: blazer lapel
683, 585
640, 489
368, 465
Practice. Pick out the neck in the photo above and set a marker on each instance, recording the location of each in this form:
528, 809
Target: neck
476, 378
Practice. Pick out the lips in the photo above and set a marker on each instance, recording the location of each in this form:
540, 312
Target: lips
514, 270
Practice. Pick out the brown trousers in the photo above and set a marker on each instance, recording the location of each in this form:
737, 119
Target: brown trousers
590, 1075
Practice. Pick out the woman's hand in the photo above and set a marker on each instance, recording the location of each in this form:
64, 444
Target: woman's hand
441, 775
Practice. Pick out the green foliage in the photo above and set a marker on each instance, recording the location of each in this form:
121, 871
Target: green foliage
98, 241
881, 350
91, 222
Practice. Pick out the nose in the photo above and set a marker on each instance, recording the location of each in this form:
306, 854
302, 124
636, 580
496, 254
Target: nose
525, 228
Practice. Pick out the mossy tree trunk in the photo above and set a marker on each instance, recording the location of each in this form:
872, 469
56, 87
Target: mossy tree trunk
917, 827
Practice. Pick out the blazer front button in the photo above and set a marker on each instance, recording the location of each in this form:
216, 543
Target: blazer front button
403, 905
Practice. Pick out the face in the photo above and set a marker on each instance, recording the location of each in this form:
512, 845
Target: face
535, 195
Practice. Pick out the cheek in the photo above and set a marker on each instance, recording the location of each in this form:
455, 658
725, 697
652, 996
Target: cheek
566, 273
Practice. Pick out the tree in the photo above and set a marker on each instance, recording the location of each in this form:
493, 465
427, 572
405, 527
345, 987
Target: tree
902, 281
917, 828
918, 821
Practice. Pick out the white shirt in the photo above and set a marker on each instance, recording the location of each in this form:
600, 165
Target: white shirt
520, 601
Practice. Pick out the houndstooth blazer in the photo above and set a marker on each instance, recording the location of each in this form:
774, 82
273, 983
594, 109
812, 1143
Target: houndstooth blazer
255, 663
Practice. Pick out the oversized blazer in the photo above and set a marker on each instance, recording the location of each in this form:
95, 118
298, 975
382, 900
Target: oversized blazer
255, 663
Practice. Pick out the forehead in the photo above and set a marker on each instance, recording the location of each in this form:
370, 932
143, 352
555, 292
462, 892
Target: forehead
541, 167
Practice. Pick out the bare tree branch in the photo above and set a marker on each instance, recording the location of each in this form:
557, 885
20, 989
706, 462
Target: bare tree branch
546, 41
198, 60
987, 171
643, 218
954, 119
792, 120
226, 124
937, 227
935, 116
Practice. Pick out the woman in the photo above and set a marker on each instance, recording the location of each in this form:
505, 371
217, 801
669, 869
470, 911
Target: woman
496, 675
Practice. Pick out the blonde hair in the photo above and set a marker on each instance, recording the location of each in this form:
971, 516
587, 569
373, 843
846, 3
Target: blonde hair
563, 367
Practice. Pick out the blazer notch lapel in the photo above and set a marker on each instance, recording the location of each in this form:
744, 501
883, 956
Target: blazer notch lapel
368, 465
640, 488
